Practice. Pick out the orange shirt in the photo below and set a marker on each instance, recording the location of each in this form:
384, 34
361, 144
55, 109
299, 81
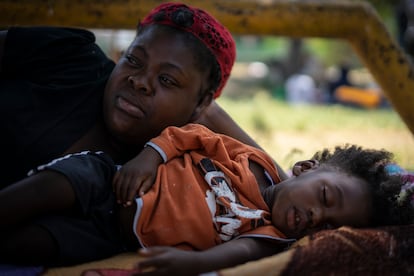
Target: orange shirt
191, 210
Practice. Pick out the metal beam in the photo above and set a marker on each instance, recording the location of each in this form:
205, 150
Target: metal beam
354, 21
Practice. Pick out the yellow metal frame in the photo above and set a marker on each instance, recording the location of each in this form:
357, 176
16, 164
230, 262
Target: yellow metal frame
354, 21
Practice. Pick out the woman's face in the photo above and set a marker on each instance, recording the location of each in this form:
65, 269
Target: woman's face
154, 85
320, 199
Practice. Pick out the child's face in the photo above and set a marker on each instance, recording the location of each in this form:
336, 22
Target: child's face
154, 85
320, 199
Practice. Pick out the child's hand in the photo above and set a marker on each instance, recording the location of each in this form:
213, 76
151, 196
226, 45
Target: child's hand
163, 260
137, 176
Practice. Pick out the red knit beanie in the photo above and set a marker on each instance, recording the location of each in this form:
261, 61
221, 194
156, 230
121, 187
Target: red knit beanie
204, 27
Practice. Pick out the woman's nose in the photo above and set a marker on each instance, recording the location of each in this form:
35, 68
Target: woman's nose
139, 84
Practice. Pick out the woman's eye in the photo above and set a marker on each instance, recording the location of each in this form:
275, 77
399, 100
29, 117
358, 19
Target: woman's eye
133, 60
166, 81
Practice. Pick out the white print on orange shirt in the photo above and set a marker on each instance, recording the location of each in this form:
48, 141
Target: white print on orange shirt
227, 219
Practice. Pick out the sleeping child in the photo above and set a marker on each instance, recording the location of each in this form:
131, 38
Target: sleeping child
212, 203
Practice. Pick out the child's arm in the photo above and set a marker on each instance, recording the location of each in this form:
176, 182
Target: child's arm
137, 176
171, 261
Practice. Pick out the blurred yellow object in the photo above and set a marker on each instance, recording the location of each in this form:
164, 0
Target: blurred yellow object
368, 98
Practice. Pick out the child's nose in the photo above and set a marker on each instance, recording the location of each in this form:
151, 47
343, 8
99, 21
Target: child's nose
315, 216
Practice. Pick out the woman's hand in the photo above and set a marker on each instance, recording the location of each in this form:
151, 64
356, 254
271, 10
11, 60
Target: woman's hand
137, 176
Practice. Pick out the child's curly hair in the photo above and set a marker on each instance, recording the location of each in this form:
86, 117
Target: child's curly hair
389, 205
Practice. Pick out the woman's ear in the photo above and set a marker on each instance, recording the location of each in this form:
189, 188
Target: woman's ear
204, 102
304, 166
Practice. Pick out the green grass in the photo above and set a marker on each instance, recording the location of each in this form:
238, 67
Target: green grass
291, 133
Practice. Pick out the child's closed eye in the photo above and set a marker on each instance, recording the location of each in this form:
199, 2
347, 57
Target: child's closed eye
325, 201
327, 197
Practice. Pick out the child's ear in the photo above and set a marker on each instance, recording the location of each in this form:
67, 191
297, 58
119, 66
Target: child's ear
304, 166
204, 102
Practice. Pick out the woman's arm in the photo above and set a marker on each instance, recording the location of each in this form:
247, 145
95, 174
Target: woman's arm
217, 120
3, 35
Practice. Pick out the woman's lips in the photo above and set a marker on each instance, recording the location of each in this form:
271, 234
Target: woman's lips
129, 108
